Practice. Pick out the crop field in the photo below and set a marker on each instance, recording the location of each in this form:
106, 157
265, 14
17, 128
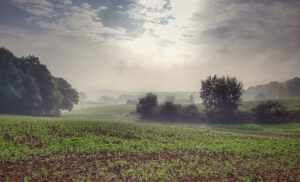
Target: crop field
107, 143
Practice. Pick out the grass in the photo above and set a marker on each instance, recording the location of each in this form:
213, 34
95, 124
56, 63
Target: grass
105, 143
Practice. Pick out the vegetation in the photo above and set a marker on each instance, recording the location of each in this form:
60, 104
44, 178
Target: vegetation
103, 143
27, 87
247, 112
274, 90
148, 109
221, 96
82, 97
146, 106
269, 112
78, 147
290, 104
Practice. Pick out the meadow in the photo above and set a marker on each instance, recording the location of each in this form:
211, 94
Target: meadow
108, 143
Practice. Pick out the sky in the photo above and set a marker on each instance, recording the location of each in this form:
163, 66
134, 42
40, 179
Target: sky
158, 45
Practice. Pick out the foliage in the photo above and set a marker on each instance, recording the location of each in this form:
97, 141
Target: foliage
146, 105
148, 108
221, 96
82, 97
131, 102
27, 87
66, 149
191, 99
190, 113
170, 99
167, 112
274, 90
269, 111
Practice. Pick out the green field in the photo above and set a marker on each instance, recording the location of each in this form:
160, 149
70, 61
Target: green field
107, 143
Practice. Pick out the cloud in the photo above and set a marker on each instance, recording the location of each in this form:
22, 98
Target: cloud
248, 24
109, 47
160, 45
240, 36
35, 7
83, 23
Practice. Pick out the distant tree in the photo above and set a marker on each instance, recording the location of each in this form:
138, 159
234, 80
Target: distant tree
221, 96
82, 97
189, 113
107, 99
191, 99
293, 87
146, 105
275, 90
170, 99
131, 102
269, 112
169, 112
260, 96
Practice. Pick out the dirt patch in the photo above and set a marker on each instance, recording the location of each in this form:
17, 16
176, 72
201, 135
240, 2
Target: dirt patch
103, 167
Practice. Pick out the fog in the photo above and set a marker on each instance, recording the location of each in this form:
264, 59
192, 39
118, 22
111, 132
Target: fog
164, 45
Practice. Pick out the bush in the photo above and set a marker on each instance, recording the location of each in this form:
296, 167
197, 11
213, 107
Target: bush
190, 113
146, 106
269, 112
168, 112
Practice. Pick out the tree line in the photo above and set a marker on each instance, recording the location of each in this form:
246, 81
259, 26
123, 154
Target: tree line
274, 90
221, 97
27, 87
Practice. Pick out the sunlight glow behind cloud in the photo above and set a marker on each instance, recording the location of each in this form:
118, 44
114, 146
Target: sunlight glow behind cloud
158, 45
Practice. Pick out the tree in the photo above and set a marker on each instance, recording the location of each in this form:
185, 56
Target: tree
260, 96
69, 95
131, 102
293, 87
191, 99
82, 97
190, 113
221, 96
269, 112
169, 112
27, 87
170, 99
146, 105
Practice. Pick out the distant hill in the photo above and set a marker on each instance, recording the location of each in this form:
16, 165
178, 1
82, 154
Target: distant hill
274, 90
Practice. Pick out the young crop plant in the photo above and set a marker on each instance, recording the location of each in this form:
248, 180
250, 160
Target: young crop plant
105, 151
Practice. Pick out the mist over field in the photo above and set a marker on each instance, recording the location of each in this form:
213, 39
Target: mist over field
165, 45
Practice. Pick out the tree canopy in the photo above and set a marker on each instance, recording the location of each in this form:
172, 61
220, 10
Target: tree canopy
146, 105
274, 90
27, 87
221, 96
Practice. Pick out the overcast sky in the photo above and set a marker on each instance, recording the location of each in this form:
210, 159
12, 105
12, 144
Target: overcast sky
159, 45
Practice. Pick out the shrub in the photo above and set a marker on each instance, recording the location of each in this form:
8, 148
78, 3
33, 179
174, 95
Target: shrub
168, 112
190, 113
269, 112
146, 105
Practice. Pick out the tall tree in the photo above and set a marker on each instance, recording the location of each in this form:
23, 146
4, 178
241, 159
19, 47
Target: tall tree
69, 96
27, 87
221, 96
